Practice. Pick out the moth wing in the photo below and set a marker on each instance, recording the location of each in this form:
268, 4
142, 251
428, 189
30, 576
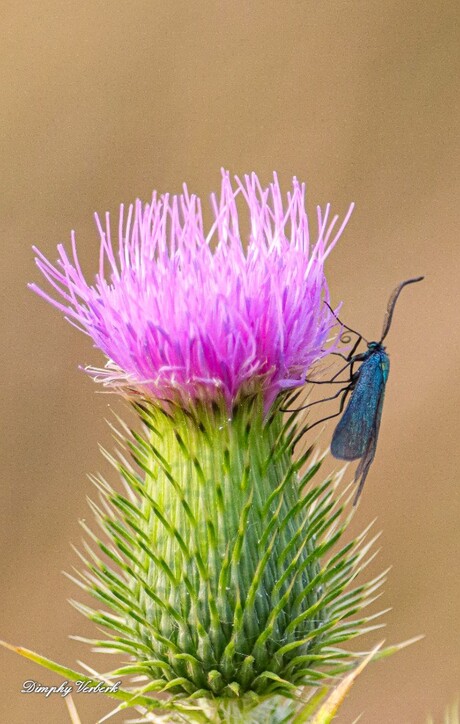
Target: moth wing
369, 454
353, 434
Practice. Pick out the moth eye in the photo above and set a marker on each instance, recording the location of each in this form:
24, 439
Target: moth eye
345, 338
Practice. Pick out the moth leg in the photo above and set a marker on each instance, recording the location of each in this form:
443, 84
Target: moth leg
340, 321
349, 359
333, 379
339, 354
346, 391
354, 348
310, 404
349, 356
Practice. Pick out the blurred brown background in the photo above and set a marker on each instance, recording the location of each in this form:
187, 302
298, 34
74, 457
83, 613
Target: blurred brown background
104, 101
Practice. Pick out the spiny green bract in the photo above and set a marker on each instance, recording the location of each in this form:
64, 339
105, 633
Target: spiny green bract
216, 563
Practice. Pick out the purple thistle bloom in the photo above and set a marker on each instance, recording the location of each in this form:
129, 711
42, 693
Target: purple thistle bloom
188, 313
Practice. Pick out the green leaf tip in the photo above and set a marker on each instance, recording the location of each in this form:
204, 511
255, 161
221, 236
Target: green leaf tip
327, 711
127, 696
72, 709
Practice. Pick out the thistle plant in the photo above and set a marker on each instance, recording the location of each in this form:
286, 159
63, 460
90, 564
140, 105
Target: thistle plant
216, 566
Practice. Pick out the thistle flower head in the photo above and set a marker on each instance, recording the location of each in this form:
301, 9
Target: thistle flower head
220, 560
181, 311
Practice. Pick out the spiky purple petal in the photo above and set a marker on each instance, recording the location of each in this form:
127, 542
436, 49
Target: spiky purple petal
178, 311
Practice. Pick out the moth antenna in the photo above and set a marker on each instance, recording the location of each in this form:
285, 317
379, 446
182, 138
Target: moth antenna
392, 303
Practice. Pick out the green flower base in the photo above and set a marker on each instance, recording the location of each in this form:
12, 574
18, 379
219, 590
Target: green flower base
216, 562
